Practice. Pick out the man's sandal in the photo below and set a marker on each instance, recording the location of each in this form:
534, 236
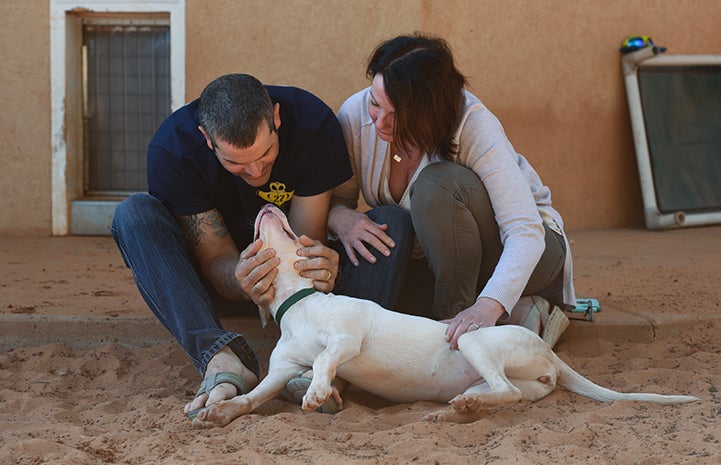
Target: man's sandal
210, 383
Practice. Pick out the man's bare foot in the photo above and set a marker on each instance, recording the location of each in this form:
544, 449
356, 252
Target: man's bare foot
223, 361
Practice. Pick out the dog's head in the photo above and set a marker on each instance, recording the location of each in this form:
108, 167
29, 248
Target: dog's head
271, 226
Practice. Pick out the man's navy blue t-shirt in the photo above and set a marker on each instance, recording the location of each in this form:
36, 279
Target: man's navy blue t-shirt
186, 175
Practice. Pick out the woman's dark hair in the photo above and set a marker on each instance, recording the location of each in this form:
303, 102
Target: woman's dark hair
425, 88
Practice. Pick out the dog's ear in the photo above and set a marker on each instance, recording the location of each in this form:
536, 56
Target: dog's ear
264, 313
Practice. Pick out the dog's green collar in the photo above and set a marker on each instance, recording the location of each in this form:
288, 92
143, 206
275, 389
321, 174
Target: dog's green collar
290, 301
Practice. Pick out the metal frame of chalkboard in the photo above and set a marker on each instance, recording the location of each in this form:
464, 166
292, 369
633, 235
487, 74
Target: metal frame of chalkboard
631, 62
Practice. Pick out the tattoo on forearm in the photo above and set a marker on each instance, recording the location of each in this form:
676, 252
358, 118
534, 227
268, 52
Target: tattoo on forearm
196, 227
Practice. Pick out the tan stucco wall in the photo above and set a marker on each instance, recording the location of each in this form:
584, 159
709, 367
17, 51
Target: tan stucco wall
25, 118
549, 69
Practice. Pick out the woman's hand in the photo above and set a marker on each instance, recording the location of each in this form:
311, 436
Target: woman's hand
321, 265
355, 230
484, 313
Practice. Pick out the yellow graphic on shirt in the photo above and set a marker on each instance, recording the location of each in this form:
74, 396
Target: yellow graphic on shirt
277, 194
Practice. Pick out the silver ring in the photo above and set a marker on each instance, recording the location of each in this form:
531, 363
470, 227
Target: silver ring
477, 326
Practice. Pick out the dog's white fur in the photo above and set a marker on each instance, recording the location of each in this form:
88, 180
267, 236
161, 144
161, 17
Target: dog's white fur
399, 357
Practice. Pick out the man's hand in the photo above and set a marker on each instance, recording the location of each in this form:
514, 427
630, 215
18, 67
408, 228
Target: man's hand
256, 271
321, 265
484, 313
355, 230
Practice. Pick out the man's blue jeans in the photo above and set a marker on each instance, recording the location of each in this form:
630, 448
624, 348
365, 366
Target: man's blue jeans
153, 247
382, 281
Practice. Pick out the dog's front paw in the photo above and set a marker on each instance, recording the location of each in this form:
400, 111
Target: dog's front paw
222, 413
211, 417
314, 398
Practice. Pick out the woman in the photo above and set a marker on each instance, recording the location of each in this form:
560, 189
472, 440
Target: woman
435, 166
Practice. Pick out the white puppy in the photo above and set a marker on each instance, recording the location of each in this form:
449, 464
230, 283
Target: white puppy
401, 358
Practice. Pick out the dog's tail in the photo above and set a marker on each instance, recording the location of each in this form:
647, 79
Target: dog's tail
574, 382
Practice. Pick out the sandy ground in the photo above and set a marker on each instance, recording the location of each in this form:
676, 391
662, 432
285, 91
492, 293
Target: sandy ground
114, 404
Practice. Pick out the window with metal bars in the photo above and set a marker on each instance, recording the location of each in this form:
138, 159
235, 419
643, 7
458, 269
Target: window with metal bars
126, 95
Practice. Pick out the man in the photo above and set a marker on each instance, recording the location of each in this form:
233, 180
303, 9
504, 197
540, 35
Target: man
211, 166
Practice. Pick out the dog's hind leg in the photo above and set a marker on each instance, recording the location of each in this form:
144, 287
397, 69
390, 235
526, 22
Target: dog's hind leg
496, 391
511, 367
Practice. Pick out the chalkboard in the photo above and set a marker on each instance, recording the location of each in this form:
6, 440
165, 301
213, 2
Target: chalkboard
675, 104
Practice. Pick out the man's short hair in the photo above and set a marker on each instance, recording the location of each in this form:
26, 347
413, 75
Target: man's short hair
232, 109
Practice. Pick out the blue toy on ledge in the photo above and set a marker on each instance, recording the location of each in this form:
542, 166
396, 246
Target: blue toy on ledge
633, 43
